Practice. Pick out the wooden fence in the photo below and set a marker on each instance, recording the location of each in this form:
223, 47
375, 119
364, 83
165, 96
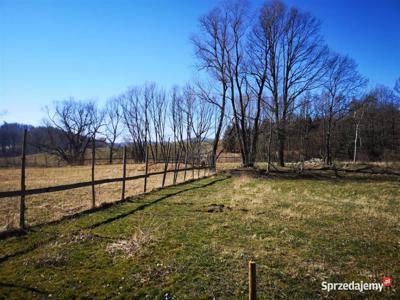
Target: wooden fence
23, 192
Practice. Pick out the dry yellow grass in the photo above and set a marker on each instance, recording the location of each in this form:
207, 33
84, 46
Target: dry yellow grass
47, 207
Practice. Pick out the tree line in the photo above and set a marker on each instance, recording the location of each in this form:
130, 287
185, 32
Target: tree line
368, 130
284, 91
273, 91
153, 124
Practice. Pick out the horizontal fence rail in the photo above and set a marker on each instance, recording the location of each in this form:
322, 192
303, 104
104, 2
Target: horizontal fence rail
77, 185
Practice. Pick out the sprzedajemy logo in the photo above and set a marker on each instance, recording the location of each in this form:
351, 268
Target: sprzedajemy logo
357, 286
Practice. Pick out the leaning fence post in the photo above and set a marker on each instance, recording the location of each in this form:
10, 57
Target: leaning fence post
165, 172
93, 164
22, 199
146, 168
123, 173
252, 281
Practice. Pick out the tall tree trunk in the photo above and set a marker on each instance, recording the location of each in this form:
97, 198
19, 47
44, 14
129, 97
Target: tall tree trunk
281, 151
281, 134
328, 158
219, 129
269, 147
110, 159
253, 151
328, 154
355, 145
236, 122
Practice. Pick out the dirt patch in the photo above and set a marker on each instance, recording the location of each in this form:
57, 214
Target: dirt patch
128, 247
243, 209
51, 259
214, 208
80, 236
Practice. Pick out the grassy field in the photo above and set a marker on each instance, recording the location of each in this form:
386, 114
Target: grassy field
48, 207
194, 241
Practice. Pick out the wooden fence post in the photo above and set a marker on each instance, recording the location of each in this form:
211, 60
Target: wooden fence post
22, 199
184, 175
93, 164
165, 172
176, 169
252, 281
123, 173
166, 164
146, 168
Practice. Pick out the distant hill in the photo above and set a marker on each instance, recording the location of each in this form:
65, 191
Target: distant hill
11, 138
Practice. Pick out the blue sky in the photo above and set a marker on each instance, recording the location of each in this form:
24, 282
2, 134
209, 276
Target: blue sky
94, 49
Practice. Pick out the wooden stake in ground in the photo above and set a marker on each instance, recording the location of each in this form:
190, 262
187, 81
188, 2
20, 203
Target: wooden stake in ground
123, 174
93, 164
22, 200
252, 281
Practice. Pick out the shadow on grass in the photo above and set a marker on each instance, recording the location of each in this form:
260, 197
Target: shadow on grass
112, 219
102, 207
336, 175
24, 287
142, 207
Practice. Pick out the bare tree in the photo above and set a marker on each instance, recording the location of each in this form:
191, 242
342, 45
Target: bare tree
178, 128
221, 48
357, 109
258, 50
342, 83
305, 119
211, 50
158, 118
113, 118
296, 60
198, 115
187, 107
240, 93
134, 121
77, 123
